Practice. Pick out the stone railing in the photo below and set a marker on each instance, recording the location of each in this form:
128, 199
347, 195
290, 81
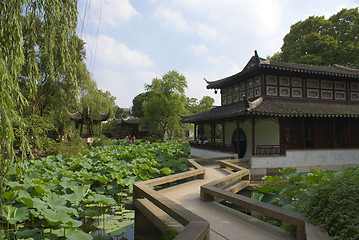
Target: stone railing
271, 149
167, 217
158, 217
240, 175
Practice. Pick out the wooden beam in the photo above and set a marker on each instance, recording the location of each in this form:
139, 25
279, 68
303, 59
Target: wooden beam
253, 136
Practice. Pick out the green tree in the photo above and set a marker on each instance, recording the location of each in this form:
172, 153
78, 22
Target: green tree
137, 104
22, 24
164, 102
193, 106
321, 41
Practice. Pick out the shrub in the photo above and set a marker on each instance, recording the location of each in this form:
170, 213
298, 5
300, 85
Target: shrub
334, 203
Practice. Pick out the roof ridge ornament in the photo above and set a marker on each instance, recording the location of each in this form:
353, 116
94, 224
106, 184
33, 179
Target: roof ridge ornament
251, 105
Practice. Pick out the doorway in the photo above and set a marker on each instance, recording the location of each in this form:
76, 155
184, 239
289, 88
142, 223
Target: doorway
242, 142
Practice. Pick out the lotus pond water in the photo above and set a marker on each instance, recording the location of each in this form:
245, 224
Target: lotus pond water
63, 197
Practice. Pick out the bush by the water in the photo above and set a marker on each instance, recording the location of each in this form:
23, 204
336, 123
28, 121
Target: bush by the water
328, 199
334, 204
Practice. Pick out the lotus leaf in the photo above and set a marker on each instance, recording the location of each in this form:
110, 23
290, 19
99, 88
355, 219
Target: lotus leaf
27, 232
166, 171
15, 185
93, 212
56, 201
10, 195
102, 179
55, 218
257, 196
129, 215
73, 197
39, 204
103, 199
17, 213
118, 231
72, 224
67, 182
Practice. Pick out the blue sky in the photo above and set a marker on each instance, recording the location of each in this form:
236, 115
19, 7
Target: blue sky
128, 43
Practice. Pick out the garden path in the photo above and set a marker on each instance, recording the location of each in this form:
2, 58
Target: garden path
225, 223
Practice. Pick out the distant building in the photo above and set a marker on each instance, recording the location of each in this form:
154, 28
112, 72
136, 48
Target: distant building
283, 115
130, 126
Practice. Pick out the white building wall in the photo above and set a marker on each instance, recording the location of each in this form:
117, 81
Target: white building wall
247, 128
305, 160
229, 128
267, 132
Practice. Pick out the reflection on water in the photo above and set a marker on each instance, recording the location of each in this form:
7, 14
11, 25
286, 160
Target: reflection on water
109, 223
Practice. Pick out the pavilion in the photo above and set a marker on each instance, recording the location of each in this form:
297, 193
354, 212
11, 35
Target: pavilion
283, 115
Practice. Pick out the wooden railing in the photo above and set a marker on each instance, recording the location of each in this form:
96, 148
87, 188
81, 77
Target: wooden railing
305, 230
150, 204
271, 149
155, 211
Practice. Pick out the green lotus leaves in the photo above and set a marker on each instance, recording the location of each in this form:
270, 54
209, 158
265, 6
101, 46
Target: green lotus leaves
10, 195
58, 195
15, 185
166, 171
15, 214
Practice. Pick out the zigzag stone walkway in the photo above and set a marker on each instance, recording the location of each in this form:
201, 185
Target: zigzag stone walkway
225, 223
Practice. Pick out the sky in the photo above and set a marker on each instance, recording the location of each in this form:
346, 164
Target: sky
128, 43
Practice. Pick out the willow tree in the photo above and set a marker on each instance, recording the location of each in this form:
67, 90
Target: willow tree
28, 27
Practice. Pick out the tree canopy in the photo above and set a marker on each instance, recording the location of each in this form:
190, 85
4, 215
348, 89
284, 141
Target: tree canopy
164, 101
42, 73
321, 41
37, 42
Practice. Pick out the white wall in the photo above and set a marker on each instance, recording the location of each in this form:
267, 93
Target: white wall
247, 128
229, 128
304, 160
267, 132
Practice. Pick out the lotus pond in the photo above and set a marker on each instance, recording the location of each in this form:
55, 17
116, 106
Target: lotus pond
63, 197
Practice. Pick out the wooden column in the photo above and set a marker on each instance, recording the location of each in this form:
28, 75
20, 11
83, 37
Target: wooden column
202, 130
304, 133
334, 134
316, 133
223, 136
212, 132
238, 138
195, 131
349, 134
253, 136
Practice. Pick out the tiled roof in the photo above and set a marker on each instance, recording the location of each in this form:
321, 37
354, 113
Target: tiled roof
259, 64
280, 107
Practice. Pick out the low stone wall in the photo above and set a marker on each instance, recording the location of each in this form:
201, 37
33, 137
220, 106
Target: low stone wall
204, 153
305, 160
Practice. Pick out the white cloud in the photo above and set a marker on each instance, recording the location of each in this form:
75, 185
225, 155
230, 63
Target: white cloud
108, 51
205, 32
146, 77
175, 19
111, 11
171, 18
110, 80
198, 50
197, 86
